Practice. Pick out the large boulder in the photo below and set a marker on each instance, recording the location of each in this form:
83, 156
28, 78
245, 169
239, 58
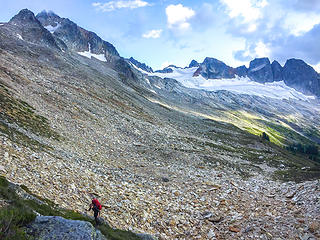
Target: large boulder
54, 227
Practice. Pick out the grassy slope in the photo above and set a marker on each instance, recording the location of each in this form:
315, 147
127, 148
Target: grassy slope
17, 119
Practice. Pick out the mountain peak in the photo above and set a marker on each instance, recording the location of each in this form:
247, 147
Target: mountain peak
213, 68
194, 63
301, 76
260, 70
74, 37
210, 59
25, 16
30, 29
46, 14
140, 65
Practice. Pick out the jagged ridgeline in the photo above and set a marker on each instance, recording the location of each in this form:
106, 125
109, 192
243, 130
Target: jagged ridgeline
202, 152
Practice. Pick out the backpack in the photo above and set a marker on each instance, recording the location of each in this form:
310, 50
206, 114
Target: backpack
96, 203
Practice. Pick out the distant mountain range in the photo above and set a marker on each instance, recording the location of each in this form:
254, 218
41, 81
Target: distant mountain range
295, 73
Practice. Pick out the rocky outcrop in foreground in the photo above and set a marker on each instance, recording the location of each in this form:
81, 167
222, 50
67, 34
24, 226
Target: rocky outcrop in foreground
55, 227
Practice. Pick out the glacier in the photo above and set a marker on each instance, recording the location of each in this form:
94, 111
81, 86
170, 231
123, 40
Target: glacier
239, 85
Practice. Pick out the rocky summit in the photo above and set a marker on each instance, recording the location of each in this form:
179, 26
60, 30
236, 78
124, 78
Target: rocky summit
166, 161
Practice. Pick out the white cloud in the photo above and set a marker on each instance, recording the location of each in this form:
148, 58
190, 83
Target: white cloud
299, 23
317, 67
178, 16
262, 50
152, 34
113, 5
249, 10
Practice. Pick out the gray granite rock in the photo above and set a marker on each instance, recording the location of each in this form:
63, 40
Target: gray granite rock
194, 63
75, 37
165, 70
241, 71
53, 227
27, 27
212, 68
276, 71
301, 76
260, 70
140, 65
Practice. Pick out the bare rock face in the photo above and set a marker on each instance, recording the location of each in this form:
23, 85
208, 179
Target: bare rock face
301, 76
212, 68
260, 70
277, 71
140, 65
75, 37
194, 63
27, 27
165, 70
241, 71
54, 227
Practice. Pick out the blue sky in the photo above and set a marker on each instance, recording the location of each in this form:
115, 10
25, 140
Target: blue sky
175, 32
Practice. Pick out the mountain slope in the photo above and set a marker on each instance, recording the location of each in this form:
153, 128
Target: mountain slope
162, 158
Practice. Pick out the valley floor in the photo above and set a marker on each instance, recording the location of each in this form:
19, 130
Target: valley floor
171, 200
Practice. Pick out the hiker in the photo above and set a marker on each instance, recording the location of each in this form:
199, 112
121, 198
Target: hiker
96, 207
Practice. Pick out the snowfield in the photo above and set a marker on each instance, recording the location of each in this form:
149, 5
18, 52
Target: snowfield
88, 54
51, 28
240, 85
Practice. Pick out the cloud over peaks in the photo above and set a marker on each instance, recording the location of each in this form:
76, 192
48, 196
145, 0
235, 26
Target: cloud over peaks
114, 5
248, 10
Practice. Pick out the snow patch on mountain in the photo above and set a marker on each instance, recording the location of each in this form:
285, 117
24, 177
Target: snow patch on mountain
239, 85
19, 36
139, 69
51, 28
88, 54
257, 68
